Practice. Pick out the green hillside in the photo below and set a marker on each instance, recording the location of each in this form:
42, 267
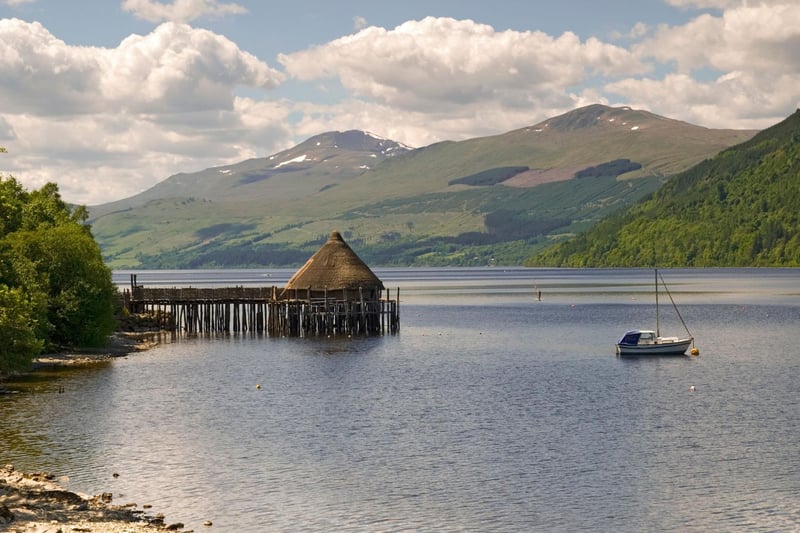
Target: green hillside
497, 199
740, 208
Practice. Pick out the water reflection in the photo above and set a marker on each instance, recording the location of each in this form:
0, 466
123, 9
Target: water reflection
489, 411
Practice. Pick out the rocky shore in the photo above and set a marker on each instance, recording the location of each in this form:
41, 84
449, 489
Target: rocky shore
36, 503
122, 343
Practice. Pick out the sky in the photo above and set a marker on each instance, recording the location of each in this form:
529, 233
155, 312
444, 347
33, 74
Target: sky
108, 97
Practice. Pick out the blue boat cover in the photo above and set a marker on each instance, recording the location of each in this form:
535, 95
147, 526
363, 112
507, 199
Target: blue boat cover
631, 337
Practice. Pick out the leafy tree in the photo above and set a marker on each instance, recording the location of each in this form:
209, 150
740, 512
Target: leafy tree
80, 305
18, 340
55, 290
12, 198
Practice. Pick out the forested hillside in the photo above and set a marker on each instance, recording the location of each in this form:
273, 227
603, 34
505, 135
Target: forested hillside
740, 208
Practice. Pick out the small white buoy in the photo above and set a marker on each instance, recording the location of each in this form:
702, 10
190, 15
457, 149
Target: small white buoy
691, 388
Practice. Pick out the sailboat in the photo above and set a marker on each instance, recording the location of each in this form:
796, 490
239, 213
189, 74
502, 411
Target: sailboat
649, 342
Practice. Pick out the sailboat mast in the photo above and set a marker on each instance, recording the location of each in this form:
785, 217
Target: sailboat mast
658, 329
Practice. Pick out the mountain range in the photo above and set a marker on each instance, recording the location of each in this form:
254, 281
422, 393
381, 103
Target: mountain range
490, 200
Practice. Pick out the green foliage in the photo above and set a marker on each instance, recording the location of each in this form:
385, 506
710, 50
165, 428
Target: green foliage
467, 249
12, 197
220, 229
224, 255
493, 176
737, 209
77, 282
612, 169
55, 290
18, 340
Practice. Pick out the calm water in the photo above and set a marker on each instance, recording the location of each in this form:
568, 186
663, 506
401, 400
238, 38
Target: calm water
490, 411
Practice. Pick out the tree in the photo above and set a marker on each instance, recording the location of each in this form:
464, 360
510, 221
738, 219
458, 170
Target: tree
736, 209
18, 340
55, 289
78, 286
12, 200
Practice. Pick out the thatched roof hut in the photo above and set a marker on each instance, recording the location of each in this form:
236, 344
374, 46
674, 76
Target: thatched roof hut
335, 269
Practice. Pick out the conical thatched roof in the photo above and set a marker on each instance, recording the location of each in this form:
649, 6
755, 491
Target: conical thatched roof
334, 266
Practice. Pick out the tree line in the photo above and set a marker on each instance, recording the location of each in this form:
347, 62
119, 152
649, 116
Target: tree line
738, 209
55, 290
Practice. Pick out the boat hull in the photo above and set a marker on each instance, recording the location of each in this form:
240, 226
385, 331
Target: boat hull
677, 347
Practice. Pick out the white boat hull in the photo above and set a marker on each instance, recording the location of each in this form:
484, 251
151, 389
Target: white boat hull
662, 347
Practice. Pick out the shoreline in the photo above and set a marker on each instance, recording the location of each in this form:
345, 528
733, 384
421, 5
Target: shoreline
36, 503
121, 344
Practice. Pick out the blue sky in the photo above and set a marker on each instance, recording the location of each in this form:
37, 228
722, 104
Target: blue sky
108, 97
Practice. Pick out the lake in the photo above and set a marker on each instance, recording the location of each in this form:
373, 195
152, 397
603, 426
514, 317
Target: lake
489, 411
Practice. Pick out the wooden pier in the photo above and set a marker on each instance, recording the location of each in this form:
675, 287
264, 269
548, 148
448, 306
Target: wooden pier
333, 293
271, 310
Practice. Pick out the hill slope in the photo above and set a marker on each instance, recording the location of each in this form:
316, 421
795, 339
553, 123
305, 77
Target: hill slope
488, 199
738, 209
322, 161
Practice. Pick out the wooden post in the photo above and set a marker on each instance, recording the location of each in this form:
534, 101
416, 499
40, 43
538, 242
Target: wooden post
363, 320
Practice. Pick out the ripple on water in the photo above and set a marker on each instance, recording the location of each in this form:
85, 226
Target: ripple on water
517, 419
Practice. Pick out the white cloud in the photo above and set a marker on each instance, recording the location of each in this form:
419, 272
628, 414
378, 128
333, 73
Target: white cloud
454, 79
753, 51
109, 122
98, 158
439, 78
180, 68
106, 123
724, 4
440, 63
180, 10
175, 68
703, 4
6, 130
735, 100
39, 73
639, 30
763, 38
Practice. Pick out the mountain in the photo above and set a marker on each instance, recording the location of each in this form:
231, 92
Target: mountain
739, 208
322, 161
493, 199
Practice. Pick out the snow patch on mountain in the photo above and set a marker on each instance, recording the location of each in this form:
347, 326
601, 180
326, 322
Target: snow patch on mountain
298, 159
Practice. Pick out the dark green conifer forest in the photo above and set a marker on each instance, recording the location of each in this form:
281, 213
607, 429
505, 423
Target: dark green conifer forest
738, 209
